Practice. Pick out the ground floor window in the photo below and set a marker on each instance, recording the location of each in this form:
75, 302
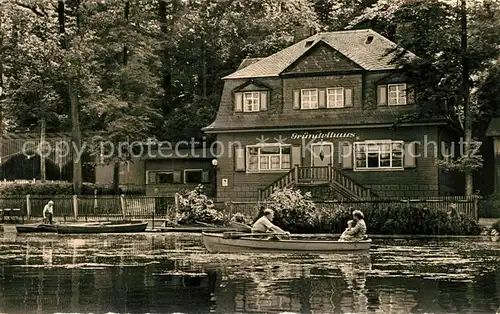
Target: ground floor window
193, 176
268, 158
378, 155
180, 176
164, 177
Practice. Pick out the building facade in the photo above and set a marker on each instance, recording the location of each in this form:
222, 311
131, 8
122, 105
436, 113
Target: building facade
323, 113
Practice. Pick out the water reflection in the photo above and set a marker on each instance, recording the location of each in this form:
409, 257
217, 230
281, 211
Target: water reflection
165, 273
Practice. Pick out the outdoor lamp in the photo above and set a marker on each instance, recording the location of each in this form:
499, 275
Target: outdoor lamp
214, 162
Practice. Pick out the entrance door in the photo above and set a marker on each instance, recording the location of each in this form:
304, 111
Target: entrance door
321, 154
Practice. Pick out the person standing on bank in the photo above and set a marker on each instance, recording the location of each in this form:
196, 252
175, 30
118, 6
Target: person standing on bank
264, 223
358, 232
48, 212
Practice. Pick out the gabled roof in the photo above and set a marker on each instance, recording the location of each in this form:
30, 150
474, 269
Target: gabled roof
248, 61
353, 44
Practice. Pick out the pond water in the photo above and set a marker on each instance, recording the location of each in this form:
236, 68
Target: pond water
165, 273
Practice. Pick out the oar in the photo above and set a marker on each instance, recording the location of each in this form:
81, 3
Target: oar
237, 235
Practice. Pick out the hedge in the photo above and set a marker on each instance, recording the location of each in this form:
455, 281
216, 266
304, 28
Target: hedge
395, 219
51, 188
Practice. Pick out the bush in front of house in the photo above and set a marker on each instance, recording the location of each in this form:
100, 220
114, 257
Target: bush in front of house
297, 213
292, 209
195, 206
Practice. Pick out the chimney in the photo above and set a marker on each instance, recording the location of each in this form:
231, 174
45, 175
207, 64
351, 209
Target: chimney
301, 33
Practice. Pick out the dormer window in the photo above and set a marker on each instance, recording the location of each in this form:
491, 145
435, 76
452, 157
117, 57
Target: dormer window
251, 101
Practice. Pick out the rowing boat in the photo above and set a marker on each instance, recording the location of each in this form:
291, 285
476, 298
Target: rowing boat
220, 243
107, 227
36, 228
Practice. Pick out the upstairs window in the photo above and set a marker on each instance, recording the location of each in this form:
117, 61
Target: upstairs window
309, 98
399, 94
335, 97
251, 101
322, 98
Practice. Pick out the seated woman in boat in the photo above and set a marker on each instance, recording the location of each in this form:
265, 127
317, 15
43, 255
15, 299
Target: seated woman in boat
264, 224
358, 232
345, 235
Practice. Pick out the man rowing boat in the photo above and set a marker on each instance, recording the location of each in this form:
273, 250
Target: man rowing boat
264, 224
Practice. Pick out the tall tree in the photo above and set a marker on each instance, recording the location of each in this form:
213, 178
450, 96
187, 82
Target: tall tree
455, 58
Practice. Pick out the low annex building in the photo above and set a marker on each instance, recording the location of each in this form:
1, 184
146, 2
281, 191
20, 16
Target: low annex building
322, 112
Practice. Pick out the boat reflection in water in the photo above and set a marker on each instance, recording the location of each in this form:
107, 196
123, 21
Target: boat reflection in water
165, 273
305, 284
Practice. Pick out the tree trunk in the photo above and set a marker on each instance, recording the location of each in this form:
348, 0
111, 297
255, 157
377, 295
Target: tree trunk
116, 177
469, 188
116, 164
43, 128
77, 140
125, 49
203, 68
1, 94
166, 59
75, 119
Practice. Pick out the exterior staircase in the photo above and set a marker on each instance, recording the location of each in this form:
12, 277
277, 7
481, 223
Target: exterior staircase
343, 186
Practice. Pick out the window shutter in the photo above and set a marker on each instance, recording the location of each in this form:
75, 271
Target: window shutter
348, 97
382, 95
151, 177
409, 155
239, 157
322, 98
347, 157
296, 155
177, 177
263, 101
296, 99
410, 94
205, 177
238, 98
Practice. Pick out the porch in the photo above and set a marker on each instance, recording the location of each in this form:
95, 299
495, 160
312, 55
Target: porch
345, 187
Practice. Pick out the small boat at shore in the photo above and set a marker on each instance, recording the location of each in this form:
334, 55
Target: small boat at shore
244, 242
105, 227
31, 228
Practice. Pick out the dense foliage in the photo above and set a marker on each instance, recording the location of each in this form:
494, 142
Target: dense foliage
153, 68
489, 207
59, 188
195, 206
297, 214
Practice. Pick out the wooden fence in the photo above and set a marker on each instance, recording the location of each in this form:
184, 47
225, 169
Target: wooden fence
463, 205
161, 207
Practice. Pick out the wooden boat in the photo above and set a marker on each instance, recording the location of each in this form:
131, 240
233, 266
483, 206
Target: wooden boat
29, 228
233, 243
105, 227
206, 227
